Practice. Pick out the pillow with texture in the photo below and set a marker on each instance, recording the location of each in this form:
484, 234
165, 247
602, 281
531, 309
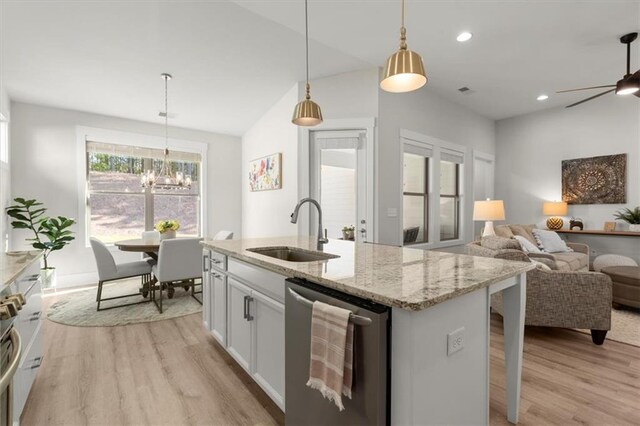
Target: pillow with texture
499, 243
524, 231
527, 245
541, 265
503, 231
551, 264
550, 241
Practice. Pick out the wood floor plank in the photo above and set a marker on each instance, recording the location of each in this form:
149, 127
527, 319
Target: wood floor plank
172, 372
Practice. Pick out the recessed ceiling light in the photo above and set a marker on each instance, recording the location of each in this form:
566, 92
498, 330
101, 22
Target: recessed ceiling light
465, 36
542, 97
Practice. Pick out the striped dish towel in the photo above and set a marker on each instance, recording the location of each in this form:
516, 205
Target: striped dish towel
331, 364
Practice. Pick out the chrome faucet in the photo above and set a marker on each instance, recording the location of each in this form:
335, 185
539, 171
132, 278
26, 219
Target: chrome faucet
294, 219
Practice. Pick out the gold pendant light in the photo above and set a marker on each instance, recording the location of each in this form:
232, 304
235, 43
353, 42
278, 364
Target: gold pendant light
307, 112
404, 70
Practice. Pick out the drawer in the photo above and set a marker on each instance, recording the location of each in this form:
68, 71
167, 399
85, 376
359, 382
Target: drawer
27, 370
29, 318
267, 282
218, 261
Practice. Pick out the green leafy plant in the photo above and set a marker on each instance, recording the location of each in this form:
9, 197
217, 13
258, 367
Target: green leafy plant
50, 233
628, 215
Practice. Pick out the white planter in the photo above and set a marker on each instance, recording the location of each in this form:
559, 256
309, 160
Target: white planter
49, 278
167, 235
634, 228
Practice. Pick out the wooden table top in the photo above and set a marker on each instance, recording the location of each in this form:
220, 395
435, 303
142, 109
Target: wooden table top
599, 232
138, 244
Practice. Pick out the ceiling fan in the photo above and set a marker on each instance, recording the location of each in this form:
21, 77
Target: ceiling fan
629, 84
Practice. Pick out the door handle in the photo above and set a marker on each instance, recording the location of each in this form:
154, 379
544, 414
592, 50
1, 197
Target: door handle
249, 300
204, 263
245, 307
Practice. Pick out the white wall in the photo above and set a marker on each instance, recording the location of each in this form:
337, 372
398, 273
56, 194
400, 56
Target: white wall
266, 213
44, 166
427, 113
5, 169
530, 150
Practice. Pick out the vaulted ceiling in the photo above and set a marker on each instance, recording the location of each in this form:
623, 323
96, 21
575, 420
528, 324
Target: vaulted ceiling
233, 60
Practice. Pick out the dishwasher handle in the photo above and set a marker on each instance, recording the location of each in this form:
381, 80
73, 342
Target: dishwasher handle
356, 319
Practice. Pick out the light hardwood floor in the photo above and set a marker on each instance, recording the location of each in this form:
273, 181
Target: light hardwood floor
172, 373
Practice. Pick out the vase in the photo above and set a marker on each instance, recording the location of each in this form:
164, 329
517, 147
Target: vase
49, 278
168, 235
634, 227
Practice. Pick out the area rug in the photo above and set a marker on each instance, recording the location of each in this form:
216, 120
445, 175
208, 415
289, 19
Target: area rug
78, 308
625, 327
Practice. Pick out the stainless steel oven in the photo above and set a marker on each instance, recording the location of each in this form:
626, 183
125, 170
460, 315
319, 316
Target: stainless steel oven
10, 351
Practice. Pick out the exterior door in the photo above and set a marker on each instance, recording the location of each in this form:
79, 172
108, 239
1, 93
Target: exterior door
483, 182
342, 181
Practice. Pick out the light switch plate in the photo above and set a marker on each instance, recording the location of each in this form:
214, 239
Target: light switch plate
455, 341
392, 212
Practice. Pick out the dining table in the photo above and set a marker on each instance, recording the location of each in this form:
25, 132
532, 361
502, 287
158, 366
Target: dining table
148, 247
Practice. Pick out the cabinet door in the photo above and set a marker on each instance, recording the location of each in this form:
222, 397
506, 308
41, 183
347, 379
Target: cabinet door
206, 290
219, 307
268, 345
239, 326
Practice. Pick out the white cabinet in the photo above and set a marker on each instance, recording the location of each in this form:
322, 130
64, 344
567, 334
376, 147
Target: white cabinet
206, 290
240, 323
218, 285
268, 345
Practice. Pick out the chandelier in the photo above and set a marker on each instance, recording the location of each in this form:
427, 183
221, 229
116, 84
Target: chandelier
164, 179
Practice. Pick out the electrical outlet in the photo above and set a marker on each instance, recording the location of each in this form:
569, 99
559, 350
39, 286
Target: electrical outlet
455, 341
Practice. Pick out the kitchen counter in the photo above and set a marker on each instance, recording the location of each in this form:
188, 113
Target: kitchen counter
13, 263
411, 279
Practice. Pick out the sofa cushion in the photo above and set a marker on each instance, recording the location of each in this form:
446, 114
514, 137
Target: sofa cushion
500, 243
550, 241
527, 245
503, 231
524, 231
575, 261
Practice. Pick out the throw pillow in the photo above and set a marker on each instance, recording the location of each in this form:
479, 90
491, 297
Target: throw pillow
527, 245
503, 231
499, 243
524, 231
541, 265
551, 264
550, 242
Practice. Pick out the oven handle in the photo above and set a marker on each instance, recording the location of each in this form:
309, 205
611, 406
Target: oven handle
16, 342
356, 319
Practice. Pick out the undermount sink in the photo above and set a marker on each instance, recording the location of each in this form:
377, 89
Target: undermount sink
292, 254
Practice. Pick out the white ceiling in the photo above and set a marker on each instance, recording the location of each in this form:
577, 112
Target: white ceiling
233, 60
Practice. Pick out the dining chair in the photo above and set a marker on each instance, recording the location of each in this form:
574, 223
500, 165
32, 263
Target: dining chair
109, 270
223, 235
179, 265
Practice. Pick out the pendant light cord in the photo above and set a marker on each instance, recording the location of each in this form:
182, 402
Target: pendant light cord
306, 38
403, 31
166, 114
402, 18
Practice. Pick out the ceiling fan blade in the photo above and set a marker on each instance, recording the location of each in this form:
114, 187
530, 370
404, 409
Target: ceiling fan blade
587, 88
592, 97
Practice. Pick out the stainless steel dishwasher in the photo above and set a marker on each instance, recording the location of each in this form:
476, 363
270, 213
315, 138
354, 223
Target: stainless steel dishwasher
371, 376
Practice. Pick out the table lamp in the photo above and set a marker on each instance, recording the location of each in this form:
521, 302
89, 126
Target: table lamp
555, 209
488, 210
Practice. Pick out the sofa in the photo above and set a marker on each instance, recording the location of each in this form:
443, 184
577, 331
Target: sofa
561, 292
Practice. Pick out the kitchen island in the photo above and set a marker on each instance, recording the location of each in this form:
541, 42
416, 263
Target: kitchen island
440, 317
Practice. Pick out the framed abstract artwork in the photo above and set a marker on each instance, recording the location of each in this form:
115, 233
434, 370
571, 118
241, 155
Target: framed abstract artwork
265, 174
595, 180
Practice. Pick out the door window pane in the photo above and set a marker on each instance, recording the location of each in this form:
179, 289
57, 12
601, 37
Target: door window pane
448, 218
413, 209
116, 217
448, 178
183, 208
414, 173
338, 192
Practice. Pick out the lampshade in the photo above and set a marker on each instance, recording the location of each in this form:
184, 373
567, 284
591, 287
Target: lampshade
627, 86
403, 72
307, 113
554, 208
488, 210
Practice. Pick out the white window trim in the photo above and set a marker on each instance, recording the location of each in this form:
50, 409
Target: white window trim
408, 137
131, 139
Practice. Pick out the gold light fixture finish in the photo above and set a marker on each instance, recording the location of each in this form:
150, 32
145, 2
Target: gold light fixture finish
307, 112
404, 70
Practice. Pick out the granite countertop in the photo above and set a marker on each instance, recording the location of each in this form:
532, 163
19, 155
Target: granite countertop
406, 278
13, 263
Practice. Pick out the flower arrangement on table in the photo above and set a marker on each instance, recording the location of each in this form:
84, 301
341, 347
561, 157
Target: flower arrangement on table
167, 228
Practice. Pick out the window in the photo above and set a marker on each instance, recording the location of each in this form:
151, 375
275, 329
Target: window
415, 198
449, 200
119, 208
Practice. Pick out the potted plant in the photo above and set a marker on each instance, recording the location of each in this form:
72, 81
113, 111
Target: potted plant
49, 233
167, 228
632, 217
348, 232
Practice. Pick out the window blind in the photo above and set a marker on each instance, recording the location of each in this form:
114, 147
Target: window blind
423, 150
140, 152
452, 156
